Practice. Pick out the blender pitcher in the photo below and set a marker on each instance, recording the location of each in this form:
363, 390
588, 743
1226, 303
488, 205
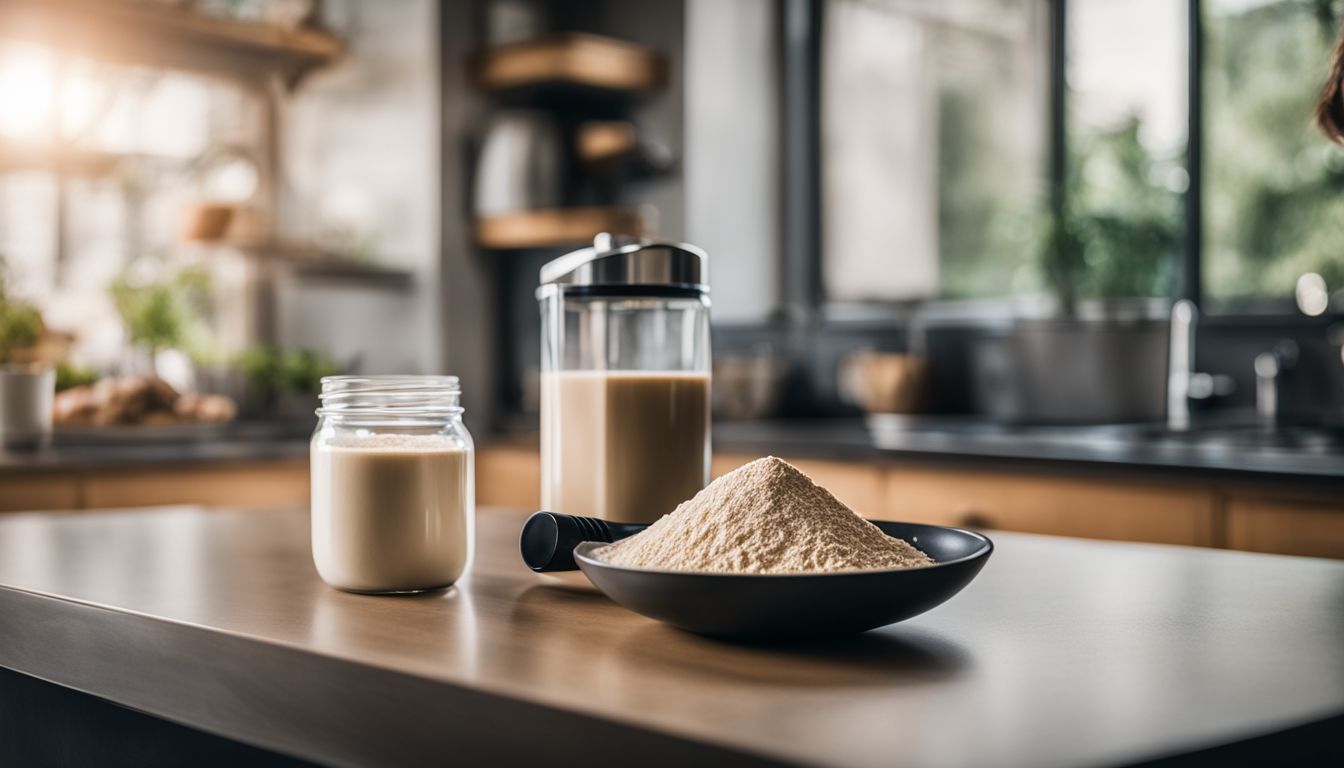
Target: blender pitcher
625, 369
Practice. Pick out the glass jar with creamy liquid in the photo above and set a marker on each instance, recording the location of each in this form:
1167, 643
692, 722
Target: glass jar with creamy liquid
393, 502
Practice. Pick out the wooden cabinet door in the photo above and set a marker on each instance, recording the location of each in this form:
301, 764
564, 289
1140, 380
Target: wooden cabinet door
508, 477
1134, 510
39, 491
273, 484
1288, 527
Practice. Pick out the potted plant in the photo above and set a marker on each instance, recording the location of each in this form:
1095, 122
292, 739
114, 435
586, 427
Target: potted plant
27, 380
1108, 251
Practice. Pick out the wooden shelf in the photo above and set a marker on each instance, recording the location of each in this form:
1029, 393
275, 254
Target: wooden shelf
159, 35
555, 227
67, 162
315, 264
574, 59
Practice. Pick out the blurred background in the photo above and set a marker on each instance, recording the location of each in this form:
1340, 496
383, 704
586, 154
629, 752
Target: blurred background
976, 216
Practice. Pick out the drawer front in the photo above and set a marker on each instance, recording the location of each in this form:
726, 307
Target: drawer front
1129, 511
1285, 527
508, 477
39, 492
273, 484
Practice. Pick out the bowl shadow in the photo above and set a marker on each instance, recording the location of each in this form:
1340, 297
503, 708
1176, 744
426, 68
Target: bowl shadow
888, 656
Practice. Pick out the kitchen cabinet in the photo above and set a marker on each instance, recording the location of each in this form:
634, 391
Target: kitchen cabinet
261, 485
1290, 526
508, 476
1124, 507
1042, 503
20, 493
268, 483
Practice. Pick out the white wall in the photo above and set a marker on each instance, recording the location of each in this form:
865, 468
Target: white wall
361, 150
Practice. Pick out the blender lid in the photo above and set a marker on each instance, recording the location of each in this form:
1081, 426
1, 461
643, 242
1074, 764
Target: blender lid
620, 261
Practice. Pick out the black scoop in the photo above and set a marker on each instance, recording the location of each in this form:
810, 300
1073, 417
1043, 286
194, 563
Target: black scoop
549, 538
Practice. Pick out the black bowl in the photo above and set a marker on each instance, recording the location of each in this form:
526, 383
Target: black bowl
795, 606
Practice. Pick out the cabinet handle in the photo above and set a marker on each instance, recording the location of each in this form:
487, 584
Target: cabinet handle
974, 518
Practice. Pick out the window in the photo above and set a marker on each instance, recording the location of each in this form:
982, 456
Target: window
933, 137
935, 129
1273, 186
1126, 111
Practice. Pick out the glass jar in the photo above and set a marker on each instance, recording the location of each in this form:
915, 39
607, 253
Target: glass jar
392, 472
625, 376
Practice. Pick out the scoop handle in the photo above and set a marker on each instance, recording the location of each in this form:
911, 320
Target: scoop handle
548, 539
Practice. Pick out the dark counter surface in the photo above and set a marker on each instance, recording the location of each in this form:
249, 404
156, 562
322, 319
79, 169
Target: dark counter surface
1062, 653
154, 447
1225, 448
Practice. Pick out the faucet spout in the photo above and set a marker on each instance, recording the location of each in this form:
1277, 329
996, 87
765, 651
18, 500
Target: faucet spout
1181, 363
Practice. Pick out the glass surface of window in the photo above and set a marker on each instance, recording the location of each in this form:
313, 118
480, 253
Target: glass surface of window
1127, 113
1273, 185
932, 152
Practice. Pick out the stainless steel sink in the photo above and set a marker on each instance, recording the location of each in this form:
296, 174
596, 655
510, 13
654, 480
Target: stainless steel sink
1224, 436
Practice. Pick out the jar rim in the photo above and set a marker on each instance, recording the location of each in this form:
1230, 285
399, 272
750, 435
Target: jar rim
392, 395
391, 381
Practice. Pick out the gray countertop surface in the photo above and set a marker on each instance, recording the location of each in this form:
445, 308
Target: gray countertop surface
1225, 448
1062, 652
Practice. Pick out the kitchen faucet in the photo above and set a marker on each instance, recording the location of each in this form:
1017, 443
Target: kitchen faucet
1183, 382
1269, 368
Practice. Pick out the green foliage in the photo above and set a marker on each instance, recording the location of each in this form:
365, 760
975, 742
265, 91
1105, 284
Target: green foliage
20, 327
69, 375
987, 226
164, 314
271, 371
1274, 191
1119, 234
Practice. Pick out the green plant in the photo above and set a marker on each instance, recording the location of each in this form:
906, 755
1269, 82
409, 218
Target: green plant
163, 314
271, 371
69, 375
20, 328
1116, 233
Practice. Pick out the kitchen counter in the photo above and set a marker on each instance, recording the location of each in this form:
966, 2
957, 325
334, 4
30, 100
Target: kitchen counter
1063, 652
1223, 449
90, 449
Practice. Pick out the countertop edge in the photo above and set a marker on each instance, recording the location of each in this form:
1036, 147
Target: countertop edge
217, 682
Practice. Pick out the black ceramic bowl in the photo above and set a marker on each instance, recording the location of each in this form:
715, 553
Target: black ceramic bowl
794, 606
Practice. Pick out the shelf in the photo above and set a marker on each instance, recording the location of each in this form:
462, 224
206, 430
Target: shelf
317, 265
555, 227
156, 34
573, 59
67, 162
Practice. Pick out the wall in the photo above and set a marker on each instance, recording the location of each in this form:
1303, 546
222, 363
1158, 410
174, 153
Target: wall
361, 149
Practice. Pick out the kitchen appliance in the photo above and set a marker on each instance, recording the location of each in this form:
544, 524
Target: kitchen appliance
774, 607
625, 372
521, 165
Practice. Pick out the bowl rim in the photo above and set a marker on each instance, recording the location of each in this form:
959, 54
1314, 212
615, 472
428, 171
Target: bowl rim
985, 549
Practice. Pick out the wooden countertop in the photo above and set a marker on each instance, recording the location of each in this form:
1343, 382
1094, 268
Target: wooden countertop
1062, 652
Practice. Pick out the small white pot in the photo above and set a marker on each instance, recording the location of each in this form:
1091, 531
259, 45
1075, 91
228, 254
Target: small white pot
25, 405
